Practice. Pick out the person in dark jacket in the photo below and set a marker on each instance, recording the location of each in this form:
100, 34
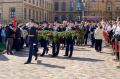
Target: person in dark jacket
9, 35
17, 37
86, 34
32, 35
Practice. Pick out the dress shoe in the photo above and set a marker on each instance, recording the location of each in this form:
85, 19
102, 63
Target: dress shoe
47, 51
27, 63
70, 56
12, 53
65, 55
41, 55
36, 57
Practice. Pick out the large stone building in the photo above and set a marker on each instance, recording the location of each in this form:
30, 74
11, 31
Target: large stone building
52, 10
112, 9
93, 9
23, 10
67, 9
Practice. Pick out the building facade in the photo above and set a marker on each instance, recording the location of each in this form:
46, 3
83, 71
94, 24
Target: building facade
23, 10
94, 9
112, 9
52, 10
67, 9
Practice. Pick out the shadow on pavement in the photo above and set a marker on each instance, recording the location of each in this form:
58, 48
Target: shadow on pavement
49, 65
3, 58
75, 58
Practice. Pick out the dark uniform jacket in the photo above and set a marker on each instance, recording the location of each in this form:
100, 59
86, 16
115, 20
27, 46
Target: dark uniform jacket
32, 31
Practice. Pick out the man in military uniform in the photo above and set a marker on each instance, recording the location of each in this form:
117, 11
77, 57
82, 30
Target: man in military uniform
36, 46
32, 40
70, 41
56, 52
81, 36
45, 23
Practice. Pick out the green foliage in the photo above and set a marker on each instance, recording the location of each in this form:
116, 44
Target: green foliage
2, 47
55, 36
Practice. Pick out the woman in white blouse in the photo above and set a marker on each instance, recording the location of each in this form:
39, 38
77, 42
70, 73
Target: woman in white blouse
98, 38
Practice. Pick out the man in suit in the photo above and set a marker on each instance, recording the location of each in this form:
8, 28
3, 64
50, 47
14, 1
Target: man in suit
92, 29
32, 40
86, 33
17, 37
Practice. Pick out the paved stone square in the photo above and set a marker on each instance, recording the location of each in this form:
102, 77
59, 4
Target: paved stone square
86, 63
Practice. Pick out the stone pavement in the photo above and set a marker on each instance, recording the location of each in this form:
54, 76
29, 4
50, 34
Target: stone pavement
86, 63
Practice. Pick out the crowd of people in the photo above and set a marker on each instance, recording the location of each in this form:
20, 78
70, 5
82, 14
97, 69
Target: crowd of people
14, 36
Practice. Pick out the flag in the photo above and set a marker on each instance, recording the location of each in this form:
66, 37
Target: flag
14, 22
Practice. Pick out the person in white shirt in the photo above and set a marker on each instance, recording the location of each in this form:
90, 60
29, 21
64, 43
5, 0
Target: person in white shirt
118, 28
114, 26
98, 38
22, 37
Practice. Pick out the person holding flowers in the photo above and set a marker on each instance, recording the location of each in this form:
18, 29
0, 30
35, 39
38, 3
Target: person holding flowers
45, 42
70, 40
56, 52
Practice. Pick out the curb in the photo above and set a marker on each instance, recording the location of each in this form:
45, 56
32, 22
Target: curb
3, 52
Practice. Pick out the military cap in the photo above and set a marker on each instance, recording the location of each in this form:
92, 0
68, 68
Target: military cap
32, 20
41, 22
13, 26
37, 23
72, 21
45, 22
58, 22
10, 24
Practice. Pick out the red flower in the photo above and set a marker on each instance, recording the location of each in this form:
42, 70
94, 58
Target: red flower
51, 33
48, 35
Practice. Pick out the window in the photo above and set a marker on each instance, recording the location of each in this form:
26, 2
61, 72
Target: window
33, 14
0, 13
70, 6
40, 3
70, 17
36, 15
40, 16
63, 17
33, 1
56, 6
24, 0
29, 1
109, 5
78, 6
45, 16
12, 12
78, 18
29, 14
63, 6
45, 4
25, 12
117, 5
84, 1
93, 0
56, 17
37, 2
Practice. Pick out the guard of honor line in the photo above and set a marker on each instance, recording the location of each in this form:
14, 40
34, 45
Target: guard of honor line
33, 42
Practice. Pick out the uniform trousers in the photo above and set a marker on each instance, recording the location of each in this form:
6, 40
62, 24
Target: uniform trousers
55, 52
70, 45
92, 40
31, 49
